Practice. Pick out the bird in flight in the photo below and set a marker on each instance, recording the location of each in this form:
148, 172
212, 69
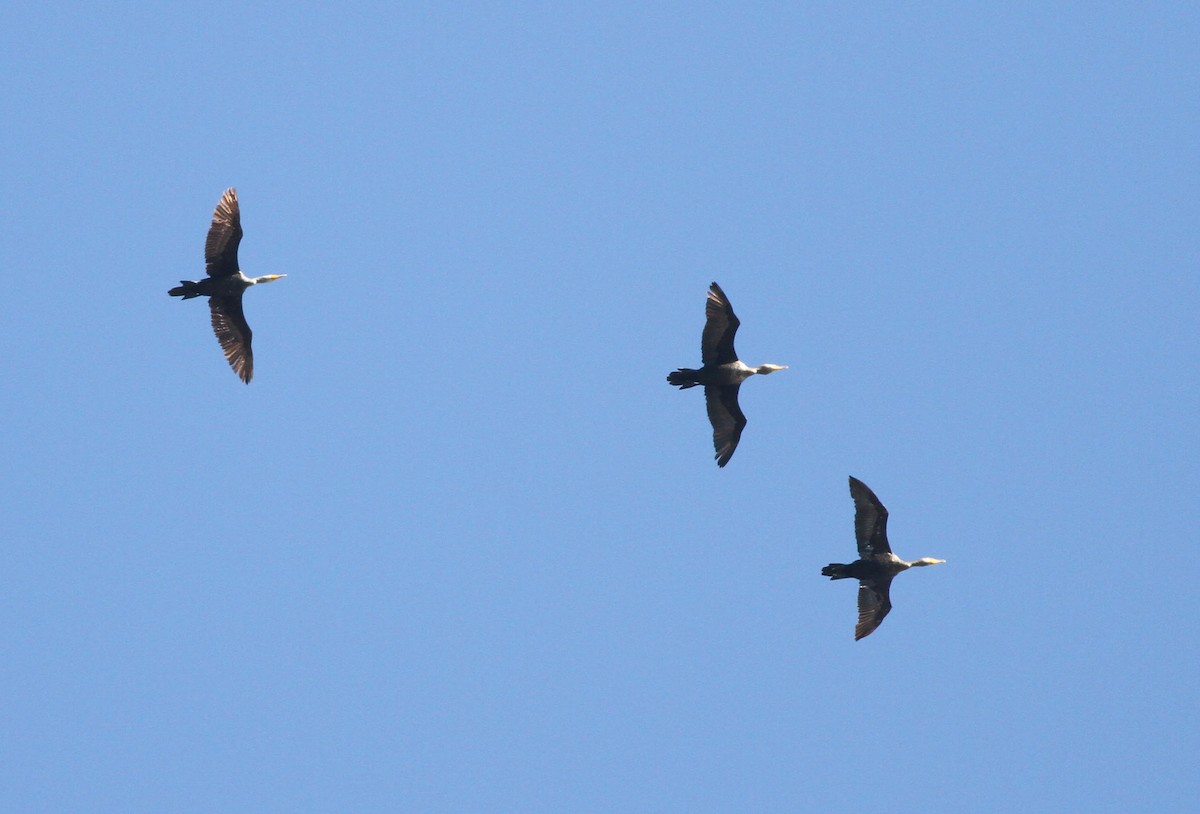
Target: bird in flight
225, 285
722, 373
876, 565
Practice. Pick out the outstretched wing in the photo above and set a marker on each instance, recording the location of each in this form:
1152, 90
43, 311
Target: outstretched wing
874, 603
870, 521
229, 324
727, 419
220, 249
720, 326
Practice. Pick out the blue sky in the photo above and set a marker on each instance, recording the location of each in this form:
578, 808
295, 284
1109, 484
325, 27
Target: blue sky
459, 547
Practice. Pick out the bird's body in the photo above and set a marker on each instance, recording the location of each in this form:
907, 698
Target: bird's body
733, 373
884, 566
230, 286
877, 565
721, 375
225, 285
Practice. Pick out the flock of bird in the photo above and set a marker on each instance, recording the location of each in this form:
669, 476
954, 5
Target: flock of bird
721, 373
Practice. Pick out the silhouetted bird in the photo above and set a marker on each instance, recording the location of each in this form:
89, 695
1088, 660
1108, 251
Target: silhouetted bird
722, 374
225, 285
876, 564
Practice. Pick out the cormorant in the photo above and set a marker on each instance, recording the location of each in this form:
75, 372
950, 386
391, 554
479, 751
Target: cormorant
722, 374
876, 564
225, 285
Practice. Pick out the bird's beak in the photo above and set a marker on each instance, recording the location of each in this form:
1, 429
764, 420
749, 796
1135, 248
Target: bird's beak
273, 277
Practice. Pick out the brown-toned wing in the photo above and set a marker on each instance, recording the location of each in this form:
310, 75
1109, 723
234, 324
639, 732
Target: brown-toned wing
220, 249
873, 604
720, 326
229, 324
727, 419
870, 521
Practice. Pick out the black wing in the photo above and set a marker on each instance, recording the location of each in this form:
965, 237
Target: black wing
220, 249
720, 326
873, 604
870, 521
727, 419
229, 324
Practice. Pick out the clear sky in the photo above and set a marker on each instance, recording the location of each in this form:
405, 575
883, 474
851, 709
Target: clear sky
459, 547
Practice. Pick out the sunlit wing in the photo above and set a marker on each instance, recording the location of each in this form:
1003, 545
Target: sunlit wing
220, 249
727, 419
229, 324
873, 604
720, 326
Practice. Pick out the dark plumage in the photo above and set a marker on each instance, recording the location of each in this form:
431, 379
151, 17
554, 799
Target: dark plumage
225, 285
876, 564
722, 374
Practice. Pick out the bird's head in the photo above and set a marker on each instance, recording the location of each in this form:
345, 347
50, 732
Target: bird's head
765, 369
927, 561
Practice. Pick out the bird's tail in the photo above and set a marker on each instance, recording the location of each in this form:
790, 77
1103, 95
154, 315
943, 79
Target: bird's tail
186, 289
683, 378
835, 571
